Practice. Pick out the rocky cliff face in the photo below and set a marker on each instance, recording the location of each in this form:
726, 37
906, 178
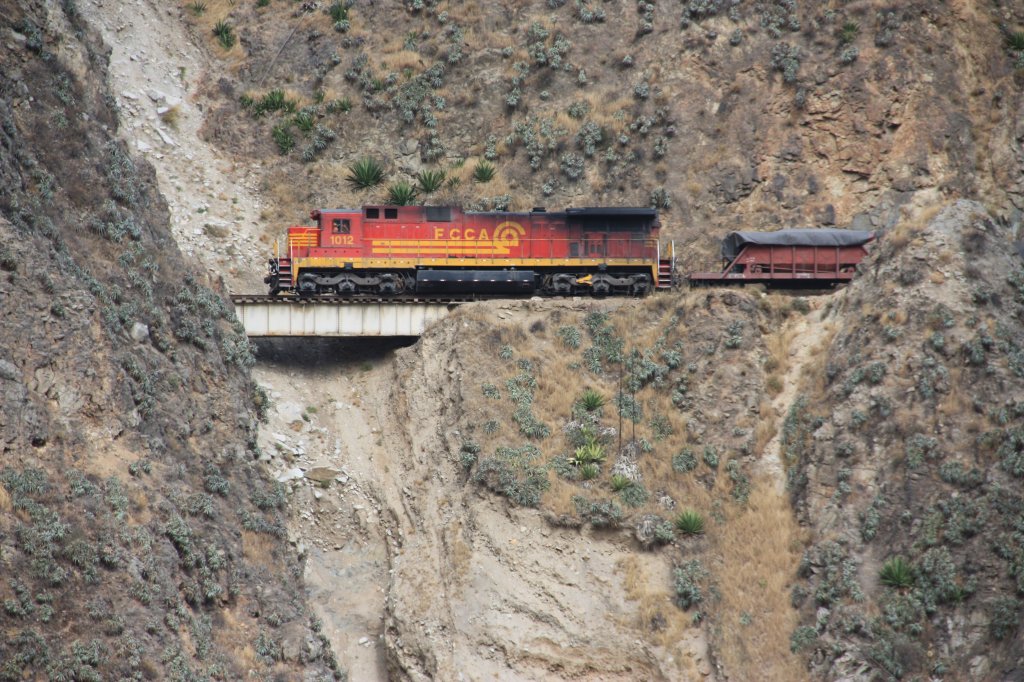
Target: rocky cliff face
905, 451
137, 540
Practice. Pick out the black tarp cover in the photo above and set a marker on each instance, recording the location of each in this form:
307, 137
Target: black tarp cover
825, 236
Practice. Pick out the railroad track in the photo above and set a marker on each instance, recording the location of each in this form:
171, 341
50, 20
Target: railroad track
359, 299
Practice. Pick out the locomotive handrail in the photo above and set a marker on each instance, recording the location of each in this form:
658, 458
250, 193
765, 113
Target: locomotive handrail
630, 250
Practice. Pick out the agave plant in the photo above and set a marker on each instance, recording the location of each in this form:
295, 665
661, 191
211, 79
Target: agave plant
365, 173
1015, 41
690, 522
588, 453
484, 172
589, 471
429, 181
401, 193
848, 32
591, 400
897, 572
338, 12
225, 34
620, 482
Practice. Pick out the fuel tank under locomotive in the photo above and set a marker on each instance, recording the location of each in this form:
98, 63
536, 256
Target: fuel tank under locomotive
476, 281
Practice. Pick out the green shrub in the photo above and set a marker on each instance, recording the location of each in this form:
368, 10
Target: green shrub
514, 473
687, 580
605, 514
591, 400
740, 482
365, 173
1005, 618
338, 12
484, 172
897, 572
661, 427
620, 482
401, 193
197, 8
570, 336
430, 181
275, 100
802, 637
711, 456
684, 461
634, 495
589, 471
690, 522
225, 34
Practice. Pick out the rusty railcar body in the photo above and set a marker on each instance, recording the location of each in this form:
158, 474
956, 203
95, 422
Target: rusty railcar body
790, 258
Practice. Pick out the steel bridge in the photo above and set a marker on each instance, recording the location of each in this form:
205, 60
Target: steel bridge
341, 316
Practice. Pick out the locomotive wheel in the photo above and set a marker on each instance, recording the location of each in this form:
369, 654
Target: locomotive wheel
306, 286
391, 283
346, 287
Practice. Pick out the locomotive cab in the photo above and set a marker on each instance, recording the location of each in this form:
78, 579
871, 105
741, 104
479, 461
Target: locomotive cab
339, 229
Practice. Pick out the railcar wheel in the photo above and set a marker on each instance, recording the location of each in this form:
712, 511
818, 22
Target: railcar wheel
346, 287
306, 286
391, 283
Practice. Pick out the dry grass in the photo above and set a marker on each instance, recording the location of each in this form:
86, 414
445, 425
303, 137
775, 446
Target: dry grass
910, 228
401, 59
957, 402
767, 426
558, 498
140, 506
459, 553
259, 548
778, 346
604, 105
655, 614
565, 121
216, 10
760, 548
5, 500
172, 116
813, 380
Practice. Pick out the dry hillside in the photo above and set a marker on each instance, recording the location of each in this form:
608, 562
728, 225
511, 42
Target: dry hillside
706, 484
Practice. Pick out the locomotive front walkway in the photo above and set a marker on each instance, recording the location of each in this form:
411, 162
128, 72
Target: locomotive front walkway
264, 316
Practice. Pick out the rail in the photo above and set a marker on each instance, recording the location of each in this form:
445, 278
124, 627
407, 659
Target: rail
362, 299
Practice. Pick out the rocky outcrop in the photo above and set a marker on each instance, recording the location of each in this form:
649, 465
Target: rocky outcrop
905, 448
137, 538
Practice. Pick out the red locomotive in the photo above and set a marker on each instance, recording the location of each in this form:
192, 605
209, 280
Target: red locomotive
789, 258
388, 250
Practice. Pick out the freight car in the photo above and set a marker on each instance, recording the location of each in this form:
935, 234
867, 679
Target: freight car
391, 250
789, 258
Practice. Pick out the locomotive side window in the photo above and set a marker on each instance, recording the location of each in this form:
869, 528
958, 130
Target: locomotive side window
341, 226
390, 214
373, 213
439, 214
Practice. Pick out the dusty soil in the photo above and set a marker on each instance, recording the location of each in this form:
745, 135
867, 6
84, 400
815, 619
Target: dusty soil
156, 71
